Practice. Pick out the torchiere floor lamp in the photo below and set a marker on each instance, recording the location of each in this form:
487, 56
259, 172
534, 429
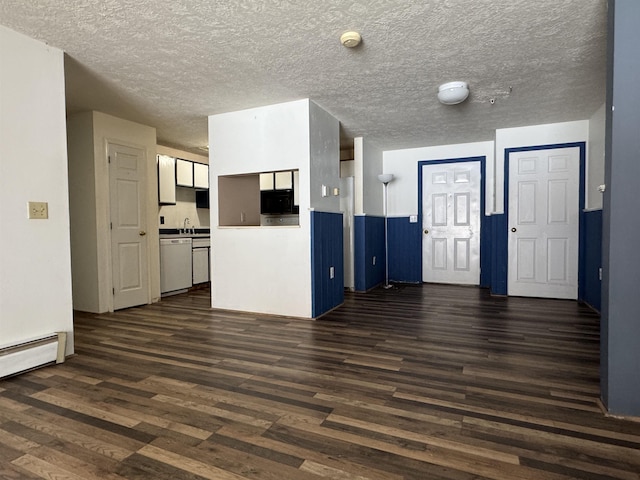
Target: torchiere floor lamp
385, 178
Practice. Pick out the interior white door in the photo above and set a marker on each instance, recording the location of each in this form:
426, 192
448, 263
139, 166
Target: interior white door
544, 223
451, 198
128, 226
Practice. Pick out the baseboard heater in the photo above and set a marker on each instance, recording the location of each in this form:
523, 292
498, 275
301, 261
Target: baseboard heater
33, 353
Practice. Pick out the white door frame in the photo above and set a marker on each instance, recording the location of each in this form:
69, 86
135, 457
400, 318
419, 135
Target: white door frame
501, 243
484, 251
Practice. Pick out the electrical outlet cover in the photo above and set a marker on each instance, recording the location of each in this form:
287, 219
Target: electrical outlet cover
38, 210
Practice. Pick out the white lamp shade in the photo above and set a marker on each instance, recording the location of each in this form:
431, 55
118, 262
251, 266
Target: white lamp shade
453, 92
385, 177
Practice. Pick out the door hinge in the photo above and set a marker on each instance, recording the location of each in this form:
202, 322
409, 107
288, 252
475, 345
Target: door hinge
113, 290
110, 225
109, 158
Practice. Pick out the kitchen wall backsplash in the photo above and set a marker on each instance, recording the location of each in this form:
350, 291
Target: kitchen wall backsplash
185, 207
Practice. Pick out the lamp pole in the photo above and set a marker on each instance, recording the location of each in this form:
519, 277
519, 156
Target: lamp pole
385, 178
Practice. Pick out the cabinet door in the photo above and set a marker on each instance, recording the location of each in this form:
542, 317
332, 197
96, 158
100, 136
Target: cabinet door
200, 265
200, 175
266, 181
166, 180
184, 173
283, 181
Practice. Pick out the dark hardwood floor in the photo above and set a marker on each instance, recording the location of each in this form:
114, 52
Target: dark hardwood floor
418, 382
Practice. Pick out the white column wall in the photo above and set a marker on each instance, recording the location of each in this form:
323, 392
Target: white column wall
403, 164
372, 192
35, 263
324, 138
261, 269
547, 134
367, 165
92, 228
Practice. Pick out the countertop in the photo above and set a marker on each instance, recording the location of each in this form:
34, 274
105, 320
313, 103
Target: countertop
175, 233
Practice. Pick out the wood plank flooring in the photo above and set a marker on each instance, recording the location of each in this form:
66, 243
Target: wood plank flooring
418, 382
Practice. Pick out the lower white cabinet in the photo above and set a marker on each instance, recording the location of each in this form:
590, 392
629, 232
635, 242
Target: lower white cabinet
200, 265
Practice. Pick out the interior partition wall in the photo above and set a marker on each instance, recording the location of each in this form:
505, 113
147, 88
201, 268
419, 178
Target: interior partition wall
620, 323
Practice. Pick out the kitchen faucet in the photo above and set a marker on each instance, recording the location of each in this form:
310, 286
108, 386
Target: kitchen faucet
184, 225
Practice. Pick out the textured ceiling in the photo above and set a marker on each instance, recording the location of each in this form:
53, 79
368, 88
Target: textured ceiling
170, 64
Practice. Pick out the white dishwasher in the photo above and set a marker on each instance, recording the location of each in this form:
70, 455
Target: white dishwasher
175, 265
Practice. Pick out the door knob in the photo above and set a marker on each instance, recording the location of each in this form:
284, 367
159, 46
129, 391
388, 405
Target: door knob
514, 229
142, 233
426, 232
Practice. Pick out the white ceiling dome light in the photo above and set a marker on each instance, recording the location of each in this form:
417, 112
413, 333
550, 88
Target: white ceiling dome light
350, 39
452, 93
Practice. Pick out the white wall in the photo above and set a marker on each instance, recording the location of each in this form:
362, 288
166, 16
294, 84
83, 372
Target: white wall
262, 269
35, 263
96, 237
347, 168
403, 164
367, 165
324, 138
595, 159
372, 189
185, 207
548, 134
82, 209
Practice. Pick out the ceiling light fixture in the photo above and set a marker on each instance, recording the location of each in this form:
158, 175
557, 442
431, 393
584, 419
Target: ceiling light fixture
452, 93
350, 39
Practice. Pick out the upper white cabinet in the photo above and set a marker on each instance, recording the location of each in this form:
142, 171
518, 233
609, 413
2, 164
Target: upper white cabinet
166, 180
200, 175
283, 181
184, 173
296, 187
266, 181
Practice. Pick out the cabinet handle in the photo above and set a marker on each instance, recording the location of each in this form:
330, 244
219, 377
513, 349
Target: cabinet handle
142, 233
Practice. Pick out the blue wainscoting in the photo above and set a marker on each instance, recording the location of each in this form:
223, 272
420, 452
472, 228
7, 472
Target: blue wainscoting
326, 252
368, 240
405, 250
592, 258
486, 241
499, 254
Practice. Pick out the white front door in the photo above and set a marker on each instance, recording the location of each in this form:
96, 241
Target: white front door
451, 222
544, 223
128, 226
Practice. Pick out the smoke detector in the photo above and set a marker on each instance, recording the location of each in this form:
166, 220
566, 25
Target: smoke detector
350, 39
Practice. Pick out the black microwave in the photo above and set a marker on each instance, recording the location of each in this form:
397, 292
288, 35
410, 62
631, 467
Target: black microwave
277, 202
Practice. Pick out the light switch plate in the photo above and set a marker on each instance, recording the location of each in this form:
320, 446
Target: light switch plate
413, 218
39, 210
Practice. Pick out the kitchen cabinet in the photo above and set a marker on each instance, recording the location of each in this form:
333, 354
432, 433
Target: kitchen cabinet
200, 175
266, 181
184, 173
200, 260
166, 180
283, 181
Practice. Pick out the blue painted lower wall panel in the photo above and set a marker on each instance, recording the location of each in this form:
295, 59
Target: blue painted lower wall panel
326, 252
592, 258
368, 241
499, 254
405, 250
